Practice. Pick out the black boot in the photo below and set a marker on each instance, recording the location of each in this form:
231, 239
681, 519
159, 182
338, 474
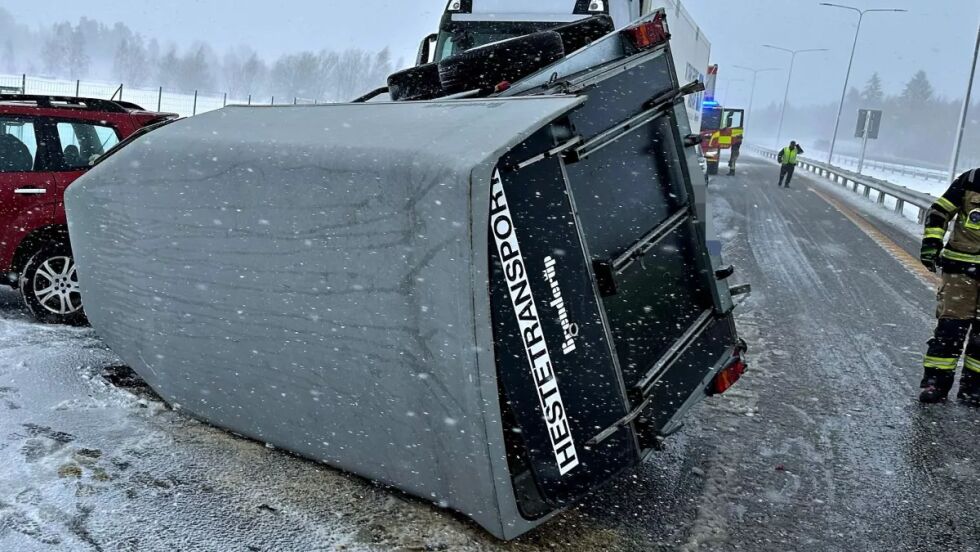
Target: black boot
936, 385
969, 392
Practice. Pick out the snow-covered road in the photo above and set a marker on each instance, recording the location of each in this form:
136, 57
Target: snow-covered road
821, 446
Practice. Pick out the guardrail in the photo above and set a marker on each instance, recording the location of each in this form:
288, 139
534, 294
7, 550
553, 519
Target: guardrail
921, 173
860, 183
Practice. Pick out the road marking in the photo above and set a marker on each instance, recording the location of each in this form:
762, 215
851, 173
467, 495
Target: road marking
908, 261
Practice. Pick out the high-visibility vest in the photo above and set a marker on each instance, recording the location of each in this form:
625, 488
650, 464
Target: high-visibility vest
789, 156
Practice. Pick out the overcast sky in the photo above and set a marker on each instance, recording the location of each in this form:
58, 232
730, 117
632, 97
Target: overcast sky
936, 35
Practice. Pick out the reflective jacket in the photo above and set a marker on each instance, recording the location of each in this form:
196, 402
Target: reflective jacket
960, 205
788, 155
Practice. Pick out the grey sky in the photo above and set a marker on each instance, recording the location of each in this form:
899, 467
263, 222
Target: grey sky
937, 35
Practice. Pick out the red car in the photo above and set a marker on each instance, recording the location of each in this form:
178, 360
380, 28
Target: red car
46, 142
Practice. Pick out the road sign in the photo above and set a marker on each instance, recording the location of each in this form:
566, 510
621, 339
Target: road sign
869, 123
870, 120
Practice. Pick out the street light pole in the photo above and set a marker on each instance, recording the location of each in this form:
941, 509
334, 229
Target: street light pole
964, 112
789, 79
850, 64
728, 87
755, 76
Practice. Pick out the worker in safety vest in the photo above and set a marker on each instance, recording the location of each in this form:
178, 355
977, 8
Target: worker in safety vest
959, 291
788, 158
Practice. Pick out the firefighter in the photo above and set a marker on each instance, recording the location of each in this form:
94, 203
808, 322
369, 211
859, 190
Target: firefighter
736, 146
959, 291
787, 161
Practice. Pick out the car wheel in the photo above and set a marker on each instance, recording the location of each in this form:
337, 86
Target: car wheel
579, 34
49, 286
510, 60
417, 83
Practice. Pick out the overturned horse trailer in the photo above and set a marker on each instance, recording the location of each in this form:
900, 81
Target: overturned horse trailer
495, 303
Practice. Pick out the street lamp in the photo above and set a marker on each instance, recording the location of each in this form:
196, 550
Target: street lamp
847, 79
755, 75
963, 114
789, 79
728, 87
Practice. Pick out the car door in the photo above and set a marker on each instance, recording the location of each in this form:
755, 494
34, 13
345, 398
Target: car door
78, 143
26, 181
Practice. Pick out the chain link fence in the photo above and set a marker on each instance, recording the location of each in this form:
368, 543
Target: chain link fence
154, 99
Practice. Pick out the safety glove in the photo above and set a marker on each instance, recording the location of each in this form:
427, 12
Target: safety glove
929, 254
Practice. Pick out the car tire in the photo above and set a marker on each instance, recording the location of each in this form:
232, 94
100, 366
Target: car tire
417, 83
49, 287
510, 60
579, 34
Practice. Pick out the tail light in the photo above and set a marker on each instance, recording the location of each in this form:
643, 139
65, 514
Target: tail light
648, 34
730, 374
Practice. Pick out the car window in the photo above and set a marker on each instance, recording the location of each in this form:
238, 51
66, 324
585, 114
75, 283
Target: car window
82, 143
18, 145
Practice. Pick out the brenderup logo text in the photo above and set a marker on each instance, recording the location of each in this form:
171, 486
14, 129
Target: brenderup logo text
539, 359
569, 329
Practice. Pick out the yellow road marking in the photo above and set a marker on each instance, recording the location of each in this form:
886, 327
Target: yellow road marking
908, 261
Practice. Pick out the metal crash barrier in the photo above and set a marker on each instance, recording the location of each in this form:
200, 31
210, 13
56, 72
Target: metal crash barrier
865, 185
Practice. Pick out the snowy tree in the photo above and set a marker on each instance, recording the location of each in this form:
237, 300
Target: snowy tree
54, 51
167, 68
918, 91
9, 57
131, 63
194, 70
298, 75
78, 58
243, 72
348, 78
64, 52
873, 92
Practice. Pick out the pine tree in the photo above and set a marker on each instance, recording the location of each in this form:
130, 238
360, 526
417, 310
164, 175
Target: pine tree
873, 92
918, 91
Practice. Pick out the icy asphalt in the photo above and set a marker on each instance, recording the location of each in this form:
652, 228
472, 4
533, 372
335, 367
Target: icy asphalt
820, 447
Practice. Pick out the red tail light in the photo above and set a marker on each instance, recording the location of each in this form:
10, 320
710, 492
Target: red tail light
730, 374
649, 34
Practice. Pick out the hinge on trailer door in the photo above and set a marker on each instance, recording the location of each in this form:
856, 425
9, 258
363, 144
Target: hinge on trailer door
557, 150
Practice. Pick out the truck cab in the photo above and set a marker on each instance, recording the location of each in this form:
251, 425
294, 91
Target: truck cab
469, 24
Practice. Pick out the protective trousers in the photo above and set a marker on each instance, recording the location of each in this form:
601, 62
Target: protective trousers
957, 312
786, 171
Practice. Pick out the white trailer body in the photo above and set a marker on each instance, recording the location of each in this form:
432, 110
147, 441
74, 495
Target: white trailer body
691, 50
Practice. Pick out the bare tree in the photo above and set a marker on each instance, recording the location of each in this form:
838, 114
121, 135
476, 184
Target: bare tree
9, 57
243, 72
131, 63
194, 70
